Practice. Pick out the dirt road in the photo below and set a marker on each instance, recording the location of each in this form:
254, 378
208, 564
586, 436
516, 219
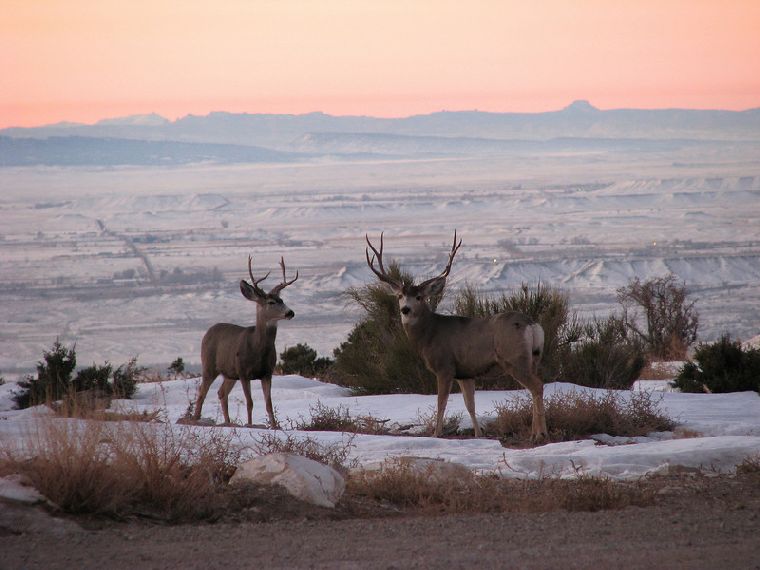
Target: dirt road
717, 526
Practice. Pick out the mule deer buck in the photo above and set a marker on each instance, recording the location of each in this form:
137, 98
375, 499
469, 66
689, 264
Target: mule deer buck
245, 353
462, 348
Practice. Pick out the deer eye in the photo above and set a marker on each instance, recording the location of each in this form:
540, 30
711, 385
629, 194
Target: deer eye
419, 297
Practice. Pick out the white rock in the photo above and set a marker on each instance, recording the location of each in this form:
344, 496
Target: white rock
17, 489
303, 478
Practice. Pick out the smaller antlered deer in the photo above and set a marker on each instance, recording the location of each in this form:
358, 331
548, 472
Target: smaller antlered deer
245, 353
463, 348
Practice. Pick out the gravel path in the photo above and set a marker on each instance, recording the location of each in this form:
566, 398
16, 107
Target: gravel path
710, 527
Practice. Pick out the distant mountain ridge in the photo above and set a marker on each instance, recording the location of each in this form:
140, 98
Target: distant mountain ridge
240, 137
580, 119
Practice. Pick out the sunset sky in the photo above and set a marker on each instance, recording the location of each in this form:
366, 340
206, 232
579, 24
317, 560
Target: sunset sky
84, 60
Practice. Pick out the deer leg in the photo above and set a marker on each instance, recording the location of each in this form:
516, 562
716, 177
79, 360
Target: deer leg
246, 384
468, 393
535, 386
224, 393
540, 433
524, 375
208, 379
266, 387
444, 388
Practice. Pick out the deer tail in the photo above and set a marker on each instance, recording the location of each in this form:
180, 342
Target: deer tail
536, 339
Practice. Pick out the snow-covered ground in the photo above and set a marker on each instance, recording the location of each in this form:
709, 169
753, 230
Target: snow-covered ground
722, 429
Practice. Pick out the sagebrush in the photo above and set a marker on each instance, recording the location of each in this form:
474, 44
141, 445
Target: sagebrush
55, 379
719, 367
377, 357
578, 414
126, 468
338, 418
400, 483
605, 356
302, 359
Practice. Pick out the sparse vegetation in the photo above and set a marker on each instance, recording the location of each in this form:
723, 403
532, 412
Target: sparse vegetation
125, 379
336, 455
177, 367
451, 422
670, 321
55, 380
93, 378
606, 356
119, 470
399, 483
750, 465
722, 366
339, 418
579, 414
302, 359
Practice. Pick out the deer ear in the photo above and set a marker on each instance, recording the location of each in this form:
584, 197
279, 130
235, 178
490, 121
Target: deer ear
434, 287
248, 291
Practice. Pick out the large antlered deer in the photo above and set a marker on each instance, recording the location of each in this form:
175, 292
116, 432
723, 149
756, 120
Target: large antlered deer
461, 348
245, 353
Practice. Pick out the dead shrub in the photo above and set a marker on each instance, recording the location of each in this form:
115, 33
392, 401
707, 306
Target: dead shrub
338, 418
451, 422
94, 404
750, 465
402, 485
578, 414
336, 455
670, 321
126, 469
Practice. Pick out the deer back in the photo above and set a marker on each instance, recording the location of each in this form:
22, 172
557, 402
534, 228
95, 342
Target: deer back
238, 352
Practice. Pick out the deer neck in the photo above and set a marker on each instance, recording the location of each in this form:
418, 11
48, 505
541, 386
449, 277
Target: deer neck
421, 329
266, 331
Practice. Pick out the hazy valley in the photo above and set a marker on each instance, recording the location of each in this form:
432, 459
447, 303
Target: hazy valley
139, 259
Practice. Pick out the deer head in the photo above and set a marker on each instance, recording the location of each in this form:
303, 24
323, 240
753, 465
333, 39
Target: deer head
270, 306
412, 299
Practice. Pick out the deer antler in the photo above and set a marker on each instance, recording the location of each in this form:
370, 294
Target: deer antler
454, 248
277, 288
382, 274
255, 282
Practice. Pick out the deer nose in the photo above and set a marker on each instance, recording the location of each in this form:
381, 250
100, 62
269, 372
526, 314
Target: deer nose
405, 310
290, 314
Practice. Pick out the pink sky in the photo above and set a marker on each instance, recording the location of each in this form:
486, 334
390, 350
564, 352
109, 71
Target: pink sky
83, 60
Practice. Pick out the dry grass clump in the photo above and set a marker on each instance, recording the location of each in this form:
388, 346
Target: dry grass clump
402, 485
126, 468
339, 418
336, 455
92, 406
578, 414
452, 423
750, 465
659, 370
